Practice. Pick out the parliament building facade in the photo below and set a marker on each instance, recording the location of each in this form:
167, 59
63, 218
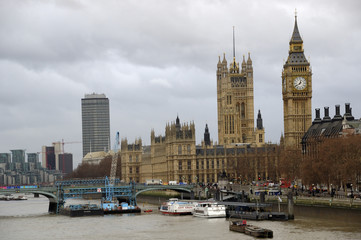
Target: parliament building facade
241, 153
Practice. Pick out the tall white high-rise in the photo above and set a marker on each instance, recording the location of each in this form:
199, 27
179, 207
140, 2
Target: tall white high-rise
95, 123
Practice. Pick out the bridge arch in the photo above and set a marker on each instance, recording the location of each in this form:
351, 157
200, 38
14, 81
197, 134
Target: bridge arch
53, 199
160, 187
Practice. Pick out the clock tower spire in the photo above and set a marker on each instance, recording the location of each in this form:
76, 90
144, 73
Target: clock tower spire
296, 91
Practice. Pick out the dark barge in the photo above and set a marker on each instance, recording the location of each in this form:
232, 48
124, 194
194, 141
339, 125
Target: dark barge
253, 211
122, 211
81, 210
243, 227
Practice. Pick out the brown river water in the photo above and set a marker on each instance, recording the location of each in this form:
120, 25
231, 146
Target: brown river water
30, 220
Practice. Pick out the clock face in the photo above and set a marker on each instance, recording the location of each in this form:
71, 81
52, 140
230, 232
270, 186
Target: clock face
299, 83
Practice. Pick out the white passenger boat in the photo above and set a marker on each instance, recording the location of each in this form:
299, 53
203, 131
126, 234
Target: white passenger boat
175, 207
209, 210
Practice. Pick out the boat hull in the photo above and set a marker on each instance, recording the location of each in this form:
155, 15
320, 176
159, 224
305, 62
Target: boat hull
81, 213
122, 211
258, 232
236, 228
175, 213
274, 216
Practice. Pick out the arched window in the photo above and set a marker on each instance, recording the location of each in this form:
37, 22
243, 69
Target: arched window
243, 111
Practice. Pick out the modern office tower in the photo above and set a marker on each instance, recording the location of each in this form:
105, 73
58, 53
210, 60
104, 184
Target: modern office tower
48, 157
18, 159
65, 162
33, 157
33, 161
58, 149
95, 123
5, 158
18, 156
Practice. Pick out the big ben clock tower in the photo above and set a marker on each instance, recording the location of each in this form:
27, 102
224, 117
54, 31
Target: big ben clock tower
296, 92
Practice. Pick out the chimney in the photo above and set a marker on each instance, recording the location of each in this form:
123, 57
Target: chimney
337, 115
347, 107
348, 113
327, 116
317, 119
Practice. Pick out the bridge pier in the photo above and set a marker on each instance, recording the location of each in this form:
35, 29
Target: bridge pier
52, 207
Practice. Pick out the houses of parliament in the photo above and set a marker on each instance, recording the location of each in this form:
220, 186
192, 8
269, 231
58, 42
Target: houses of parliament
241, 153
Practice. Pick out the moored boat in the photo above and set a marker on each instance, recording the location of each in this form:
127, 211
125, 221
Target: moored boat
238, 226
258, 232
209, 210
253, 211
10, 197
7, 197
21, 197
175, 207
111, 207
82, 210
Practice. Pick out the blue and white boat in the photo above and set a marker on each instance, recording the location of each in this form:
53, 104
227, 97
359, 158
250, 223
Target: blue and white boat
175, 207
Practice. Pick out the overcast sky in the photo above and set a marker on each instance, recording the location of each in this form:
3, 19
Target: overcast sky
157, 59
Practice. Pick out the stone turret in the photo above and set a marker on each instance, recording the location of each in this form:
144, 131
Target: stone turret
244, 65
207, 139
259, 120
249, 61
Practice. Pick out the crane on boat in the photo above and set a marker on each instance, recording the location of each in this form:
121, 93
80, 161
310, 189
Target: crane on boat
109, 183
113, 168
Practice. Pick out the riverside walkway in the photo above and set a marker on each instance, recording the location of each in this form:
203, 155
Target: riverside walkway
340, 199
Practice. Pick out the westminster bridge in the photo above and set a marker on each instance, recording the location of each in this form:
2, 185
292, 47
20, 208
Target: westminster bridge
78, 189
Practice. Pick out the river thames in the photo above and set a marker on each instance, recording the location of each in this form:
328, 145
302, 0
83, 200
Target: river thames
30, 220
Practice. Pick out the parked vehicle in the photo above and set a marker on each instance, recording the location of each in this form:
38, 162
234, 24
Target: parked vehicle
153, 182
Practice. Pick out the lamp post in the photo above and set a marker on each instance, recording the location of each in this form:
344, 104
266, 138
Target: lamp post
196, 178
183, 177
